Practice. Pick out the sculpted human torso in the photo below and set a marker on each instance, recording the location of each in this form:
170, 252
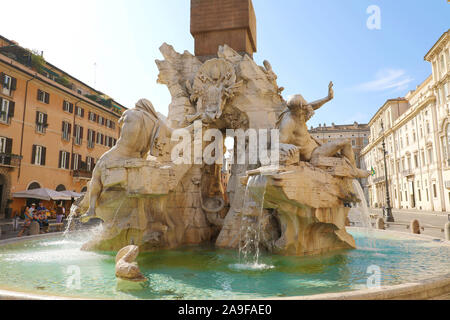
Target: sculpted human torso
293, 131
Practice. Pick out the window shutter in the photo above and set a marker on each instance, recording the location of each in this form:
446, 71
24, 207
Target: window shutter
75, 130
37, 116
63, 126
59, 160
8, 148
45, 119
2, 78
64, 105
71, 107
80, 165
33, 154
12, 105
39, 94
81, 133
67, 160
44, 152
13, 84
71, 164
70, 129
93, 136
82, 112
47, 98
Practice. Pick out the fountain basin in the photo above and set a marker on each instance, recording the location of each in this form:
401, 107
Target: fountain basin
38, 268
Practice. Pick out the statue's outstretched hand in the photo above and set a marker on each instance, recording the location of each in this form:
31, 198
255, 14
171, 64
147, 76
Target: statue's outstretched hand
330, 90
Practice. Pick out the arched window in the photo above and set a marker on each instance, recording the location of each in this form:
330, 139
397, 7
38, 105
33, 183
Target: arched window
34, 186
60, 188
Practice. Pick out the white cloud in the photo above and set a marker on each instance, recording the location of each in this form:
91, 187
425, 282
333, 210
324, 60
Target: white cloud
387, 79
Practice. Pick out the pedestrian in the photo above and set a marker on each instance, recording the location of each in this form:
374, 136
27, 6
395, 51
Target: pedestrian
29, 217
59, 213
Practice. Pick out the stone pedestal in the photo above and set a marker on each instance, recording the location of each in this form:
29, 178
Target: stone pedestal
34, 228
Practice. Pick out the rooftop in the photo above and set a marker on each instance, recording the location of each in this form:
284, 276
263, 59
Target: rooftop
37, 63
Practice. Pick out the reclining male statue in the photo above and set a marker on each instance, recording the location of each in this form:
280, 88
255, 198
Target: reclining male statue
140, 129
294, 135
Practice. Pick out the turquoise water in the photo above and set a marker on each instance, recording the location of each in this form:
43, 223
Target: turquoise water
46, 266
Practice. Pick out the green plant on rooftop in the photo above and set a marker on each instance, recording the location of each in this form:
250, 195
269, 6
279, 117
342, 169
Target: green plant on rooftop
107, 102
37, 62
64, 81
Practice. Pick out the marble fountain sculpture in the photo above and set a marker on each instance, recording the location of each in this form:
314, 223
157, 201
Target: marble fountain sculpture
148, 199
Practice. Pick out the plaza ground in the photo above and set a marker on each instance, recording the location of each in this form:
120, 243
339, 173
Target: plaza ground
432, 222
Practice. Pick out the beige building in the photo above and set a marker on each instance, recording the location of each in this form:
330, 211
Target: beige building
417, 136
357, 134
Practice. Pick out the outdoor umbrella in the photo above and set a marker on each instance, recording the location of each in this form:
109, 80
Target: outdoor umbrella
72, 194
42, 194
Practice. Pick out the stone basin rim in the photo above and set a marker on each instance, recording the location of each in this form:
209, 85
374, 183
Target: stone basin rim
423, 289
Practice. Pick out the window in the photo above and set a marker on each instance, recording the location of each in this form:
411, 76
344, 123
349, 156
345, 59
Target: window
80, 112
38, 155
6, 110
7, 83
101, 120
430, 156
353, 142
67, 106
5, 149
434, 190
41, 122
78, 134
100, 138
66, 130
90, 164
92, 116
91, 138
416, 160
76, 162
64, 159
43, 96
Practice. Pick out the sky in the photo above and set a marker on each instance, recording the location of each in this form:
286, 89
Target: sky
112, 45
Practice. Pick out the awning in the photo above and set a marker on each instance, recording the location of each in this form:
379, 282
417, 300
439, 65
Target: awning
42, 194
72, 194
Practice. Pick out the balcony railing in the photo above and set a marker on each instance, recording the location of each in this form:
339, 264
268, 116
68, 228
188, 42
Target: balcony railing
82, 174
379, 179
9, 160
408, 173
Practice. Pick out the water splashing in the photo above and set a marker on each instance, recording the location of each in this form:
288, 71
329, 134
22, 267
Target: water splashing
70, 219
359, 215
251, 223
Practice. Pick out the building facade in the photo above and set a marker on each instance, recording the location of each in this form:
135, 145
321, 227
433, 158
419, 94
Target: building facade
357, 134
416, 133
53, 127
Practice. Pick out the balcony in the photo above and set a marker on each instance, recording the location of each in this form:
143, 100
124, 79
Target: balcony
82, 174
9, 160
379, 179
408, 173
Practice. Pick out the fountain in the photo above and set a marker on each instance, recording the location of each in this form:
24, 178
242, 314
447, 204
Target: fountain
278, 229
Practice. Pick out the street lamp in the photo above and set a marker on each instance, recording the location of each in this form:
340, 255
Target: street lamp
389, 216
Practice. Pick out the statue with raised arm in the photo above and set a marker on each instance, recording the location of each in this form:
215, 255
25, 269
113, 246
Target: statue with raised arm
294, 135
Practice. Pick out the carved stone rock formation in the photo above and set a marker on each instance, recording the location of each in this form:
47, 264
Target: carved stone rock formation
146, 199
126, 266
